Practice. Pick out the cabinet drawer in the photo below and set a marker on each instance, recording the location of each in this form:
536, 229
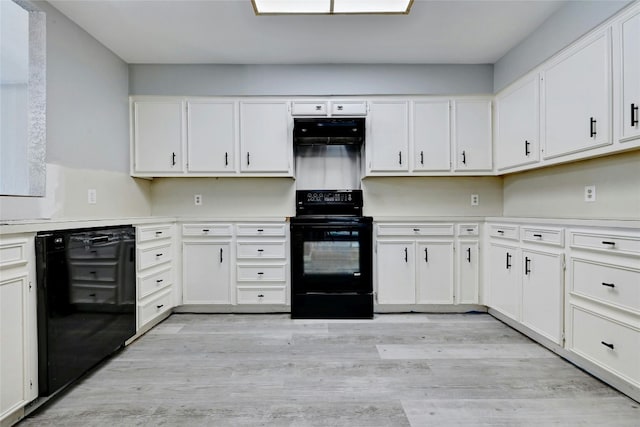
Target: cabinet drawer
550, 236
352, 108
261, 273
207, 230
415, 230
608, 283
606, 242
13, 253
504, 231
268, 250
150, 233
103, 251
105, 272
309, 108
608, 343
151, 257
468, 229
261, 229
258, 295
153, 282
93, 294
154, 306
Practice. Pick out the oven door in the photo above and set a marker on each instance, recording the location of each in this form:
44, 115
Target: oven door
331, 257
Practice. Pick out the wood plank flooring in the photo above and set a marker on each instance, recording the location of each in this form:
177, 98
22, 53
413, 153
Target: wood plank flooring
394, 370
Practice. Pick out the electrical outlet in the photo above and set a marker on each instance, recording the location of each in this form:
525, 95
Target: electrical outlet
197, 199
92, 196
475, 200
589, 193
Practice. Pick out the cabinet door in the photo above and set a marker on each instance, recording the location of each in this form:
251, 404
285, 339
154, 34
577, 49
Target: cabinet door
265, 139
211, 136
435, 273
542, 292
504, 280
472, 134
388, 138
468, 273
206, 271
13, 344
396, 273
577, 92
157, 136
518, 125
431, 136
631, 78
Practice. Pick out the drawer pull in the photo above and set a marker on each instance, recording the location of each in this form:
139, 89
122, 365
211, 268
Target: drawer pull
260, 230
260, 295
607, 344
500, 231
158, 233
260, 250
260, 273
159, 255
609, 285
470, 230
205, 230
92, 295
93, 272
159, 306
539, 236
604, 242
416, 229
159, 281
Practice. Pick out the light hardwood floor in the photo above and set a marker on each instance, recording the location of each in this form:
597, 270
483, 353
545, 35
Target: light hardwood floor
395, 370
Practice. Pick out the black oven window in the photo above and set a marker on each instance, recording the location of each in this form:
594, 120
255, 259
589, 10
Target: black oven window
339, 256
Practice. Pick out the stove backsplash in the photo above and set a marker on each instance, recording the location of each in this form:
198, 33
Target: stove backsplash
328, 167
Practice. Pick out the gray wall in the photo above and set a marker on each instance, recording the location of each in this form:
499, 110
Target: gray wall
87, 99
562, 28
330, 79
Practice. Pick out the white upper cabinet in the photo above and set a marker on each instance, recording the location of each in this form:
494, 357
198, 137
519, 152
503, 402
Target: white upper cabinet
630, 77
431, 136
158, 136
576, 97
518, 124
211, 136
472, 134
265, 137
388, 136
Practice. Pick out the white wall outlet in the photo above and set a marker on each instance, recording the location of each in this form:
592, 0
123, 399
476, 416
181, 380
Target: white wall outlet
475, 200
589, 193
92, 196
197, 199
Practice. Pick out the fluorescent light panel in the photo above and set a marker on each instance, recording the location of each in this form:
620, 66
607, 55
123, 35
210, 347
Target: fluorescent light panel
286, 7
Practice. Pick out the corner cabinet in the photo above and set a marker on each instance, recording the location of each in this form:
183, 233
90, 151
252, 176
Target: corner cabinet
518, 125
265, 137
157, 127
576, 98
472, 135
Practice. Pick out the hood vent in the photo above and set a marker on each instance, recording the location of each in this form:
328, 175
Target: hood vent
328, 131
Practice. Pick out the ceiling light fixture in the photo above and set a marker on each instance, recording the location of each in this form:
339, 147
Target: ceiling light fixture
331, 7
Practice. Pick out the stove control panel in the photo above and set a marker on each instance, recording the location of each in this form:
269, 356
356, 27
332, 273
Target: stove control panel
328, 202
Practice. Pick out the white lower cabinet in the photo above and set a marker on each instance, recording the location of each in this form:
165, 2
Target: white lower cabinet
155, 272
18, 335
206, 268
542, 293
396, 272
468, 269
417, 264
504, 279
435, 273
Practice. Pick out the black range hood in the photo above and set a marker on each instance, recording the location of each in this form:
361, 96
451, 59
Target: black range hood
328, 131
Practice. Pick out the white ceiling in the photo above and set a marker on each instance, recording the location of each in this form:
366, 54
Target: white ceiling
228, 32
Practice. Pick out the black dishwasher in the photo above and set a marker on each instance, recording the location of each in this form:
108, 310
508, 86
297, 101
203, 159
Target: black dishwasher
86, 288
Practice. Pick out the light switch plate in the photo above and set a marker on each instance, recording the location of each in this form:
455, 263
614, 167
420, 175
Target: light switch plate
197, 199
475, 200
